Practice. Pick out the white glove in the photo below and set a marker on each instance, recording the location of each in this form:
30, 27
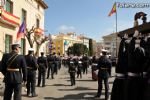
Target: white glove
136, 34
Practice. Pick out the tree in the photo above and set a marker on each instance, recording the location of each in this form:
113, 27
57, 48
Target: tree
39, 40
35, 38
28, 34
77, 49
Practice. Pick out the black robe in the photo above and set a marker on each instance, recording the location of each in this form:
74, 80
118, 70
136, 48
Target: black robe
147, 69
118, 90
136, 61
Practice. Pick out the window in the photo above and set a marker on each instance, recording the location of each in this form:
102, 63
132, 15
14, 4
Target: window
37, 23
23, 46
8, 41
24, 15
107, 43
9, 6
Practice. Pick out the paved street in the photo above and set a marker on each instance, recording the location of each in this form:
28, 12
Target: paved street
60, 89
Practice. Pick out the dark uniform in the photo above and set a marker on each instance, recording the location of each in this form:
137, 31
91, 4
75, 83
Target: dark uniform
85, 61
68, 61
59, 61
56, 64
136, 60
42, 62
72, 71
51, 65
12, 67
79, 69
31, 77
118, 90
146, 71
75, 60
104, 66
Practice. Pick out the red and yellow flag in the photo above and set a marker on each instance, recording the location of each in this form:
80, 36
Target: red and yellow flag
113, 10
38, 31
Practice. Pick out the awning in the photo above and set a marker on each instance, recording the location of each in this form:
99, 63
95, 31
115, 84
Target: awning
9, 18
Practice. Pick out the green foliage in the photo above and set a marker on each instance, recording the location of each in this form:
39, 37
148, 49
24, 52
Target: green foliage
77, 49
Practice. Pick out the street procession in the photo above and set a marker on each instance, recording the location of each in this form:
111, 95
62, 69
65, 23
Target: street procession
74, 50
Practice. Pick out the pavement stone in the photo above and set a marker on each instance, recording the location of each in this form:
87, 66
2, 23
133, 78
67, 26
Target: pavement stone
60, 89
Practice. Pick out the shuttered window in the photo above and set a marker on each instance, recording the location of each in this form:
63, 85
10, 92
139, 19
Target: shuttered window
9, 6
23, 46
8, 42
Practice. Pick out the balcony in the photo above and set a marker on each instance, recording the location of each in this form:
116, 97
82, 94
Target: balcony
8, 18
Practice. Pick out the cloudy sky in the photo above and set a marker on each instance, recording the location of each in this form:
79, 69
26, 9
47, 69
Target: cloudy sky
90, 17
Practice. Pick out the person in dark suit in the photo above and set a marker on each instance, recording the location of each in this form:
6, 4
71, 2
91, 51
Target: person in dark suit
56, 63
51, 65
104, 66
79, 69
13, 67
31, 69
118, 89
42, 62
146, 72
59, 61
85, 61
136, 63
72, 71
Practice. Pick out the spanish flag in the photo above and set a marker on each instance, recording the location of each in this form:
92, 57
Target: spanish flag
38, 31
113, 10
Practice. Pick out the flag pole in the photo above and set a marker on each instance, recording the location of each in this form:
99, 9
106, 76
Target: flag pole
116, 32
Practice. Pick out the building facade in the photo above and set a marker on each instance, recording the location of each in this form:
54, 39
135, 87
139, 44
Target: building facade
61, 42
111, 43
12, 14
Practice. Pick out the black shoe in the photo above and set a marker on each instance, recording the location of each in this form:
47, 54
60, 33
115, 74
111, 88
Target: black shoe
97, 96
28, 94
34, 95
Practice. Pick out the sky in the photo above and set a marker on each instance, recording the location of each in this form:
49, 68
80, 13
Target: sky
90, 17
